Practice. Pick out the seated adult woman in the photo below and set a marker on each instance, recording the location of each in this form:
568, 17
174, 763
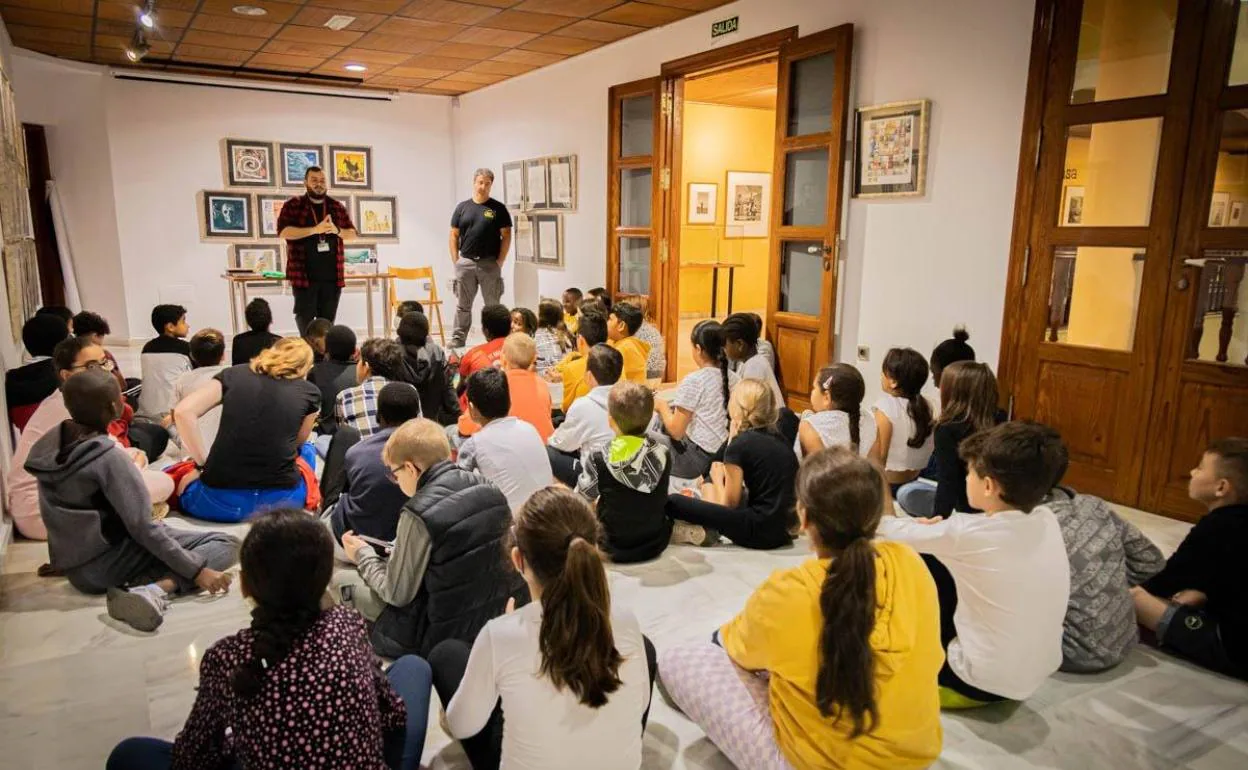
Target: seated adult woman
260, 458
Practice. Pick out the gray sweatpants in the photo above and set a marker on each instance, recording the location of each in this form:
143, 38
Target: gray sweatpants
130, 564
485, 273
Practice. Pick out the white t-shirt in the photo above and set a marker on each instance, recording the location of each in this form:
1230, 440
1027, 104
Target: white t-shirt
187, 383
544, 728
702, 394
833, 427
902, 456
756, 367
510, 454
1013, 579
586, 426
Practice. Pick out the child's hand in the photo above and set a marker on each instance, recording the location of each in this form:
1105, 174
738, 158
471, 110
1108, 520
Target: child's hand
352, 545
213, 582
511, 606
719, 474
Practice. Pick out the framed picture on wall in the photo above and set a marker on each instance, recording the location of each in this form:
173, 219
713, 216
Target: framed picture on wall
536, 191
296, 159
548, 232
227, 215
376, 216
523, 236
562, 192
351, 167
891, 143
748, 206
268, 208
1219, 209
513, 185
703, 203
360, 258
249, 163
1072, 207
256, 257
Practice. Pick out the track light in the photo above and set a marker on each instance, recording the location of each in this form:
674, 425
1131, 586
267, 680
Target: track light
147, 17
138, 47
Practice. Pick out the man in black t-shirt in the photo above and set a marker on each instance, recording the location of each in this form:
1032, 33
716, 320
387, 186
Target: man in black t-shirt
480, 238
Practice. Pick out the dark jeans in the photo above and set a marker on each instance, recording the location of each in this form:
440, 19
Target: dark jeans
410, 677
740, 525
319, 300
334, 473
565, 466
149, 437
449, 661
947, 595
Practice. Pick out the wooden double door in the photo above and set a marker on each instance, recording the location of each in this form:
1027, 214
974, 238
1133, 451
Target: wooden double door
644, 205
1125, 321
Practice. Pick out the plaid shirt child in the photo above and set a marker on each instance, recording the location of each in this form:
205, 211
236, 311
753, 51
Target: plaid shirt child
357, 407
302, 212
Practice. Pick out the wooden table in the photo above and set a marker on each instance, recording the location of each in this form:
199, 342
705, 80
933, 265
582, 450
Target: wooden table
378, 281
715, 267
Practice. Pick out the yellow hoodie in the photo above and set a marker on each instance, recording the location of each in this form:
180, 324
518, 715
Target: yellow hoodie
635, 353
779, 632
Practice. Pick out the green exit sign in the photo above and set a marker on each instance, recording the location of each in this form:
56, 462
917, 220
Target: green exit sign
724, 27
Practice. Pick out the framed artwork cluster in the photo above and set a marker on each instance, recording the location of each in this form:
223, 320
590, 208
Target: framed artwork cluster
891, 144
539, 239
1225, 211
260, 176
21, 263
538, 191
747, 208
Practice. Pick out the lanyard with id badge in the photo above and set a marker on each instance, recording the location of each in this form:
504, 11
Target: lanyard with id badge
322, 245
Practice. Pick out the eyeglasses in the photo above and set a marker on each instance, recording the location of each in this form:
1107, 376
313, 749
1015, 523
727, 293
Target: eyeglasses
105, 365
393, 473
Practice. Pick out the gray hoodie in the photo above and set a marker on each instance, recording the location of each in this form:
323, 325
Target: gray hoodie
92, 499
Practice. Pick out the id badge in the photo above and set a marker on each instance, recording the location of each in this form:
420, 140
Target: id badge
322, 246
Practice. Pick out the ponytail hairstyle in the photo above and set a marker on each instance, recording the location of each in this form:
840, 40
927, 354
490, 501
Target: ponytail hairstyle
845, 388
968, 393
752, 406
557, 534
286, 561
709, 336
841, 496
908, 368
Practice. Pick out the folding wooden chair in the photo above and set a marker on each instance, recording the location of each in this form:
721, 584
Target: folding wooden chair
433, 305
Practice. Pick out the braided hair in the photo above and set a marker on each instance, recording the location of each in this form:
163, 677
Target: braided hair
286, 561
709, 336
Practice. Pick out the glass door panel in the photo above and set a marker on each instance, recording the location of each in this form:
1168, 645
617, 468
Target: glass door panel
637, 126
1124, 49
810, 106
634, 276
806, 188
1109, 173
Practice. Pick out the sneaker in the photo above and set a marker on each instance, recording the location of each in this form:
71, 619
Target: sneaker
692, 534
142, 608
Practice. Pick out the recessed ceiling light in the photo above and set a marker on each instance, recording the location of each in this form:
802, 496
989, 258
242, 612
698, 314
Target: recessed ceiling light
249, 10
355, 68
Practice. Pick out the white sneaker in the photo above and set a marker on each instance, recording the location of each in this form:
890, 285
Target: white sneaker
142, 608
684, 533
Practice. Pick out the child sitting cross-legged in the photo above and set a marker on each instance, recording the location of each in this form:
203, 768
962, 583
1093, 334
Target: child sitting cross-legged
442, 577
381, 361
847, 644
507, 450
163, 360
257, 338
587, 425
207, 352
629, 478
623, 323
316, 336
696, 417
836, 417
903, 417
1003, 576
334, 374
300, 687
99, 515
551, 337
1195, 605
592, 330
426, 364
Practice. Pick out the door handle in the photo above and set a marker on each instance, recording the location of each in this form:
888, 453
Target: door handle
816, 249
1195, 262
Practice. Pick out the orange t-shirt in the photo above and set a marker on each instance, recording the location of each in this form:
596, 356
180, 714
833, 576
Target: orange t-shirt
530, 401
483, 356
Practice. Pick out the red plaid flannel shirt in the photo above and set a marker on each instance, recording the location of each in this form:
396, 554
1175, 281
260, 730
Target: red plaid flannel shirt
301, 212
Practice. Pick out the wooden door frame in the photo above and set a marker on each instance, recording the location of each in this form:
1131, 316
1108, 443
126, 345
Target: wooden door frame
615, 96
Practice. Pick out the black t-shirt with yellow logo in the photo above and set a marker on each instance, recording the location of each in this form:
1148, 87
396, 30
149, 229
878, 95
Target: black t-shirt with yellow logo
480, 227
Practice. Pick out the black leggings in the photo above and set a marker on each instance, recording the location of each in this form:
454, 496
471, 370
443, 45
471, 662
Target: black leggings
740, 525
947, 595
449, 661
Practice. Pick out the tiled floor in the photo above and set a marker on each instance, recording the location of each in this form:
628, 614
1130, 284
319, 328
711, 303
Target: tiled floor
73, 682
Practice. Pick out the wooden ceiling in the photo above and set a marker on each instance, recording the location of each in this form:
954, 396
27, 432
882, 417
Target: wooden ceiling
427, 46
753, 85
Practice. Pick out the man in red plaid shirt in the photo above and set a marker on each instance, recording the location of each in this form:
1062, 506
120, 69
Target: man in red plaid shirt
314, 227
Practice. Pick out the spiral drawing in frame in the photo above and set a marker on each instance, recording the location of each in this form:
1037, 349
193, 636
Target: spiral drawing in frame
249, 163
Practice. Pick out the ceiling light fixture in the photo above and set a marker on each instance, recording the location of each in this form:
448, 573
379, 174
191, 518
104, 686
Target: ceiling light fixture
249, 10
138, 47
355, 68
147, 17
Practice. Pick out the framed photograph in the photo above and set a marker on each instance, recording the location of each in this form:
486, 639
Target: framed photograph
748, 206
891, 142
268, 208
227, 215
1237, 214
513, 185
703, 203
1072, 207
360, 258
376, 216
249, 164
548, 231
524, 238
256, 257
536, 194
351, 167
297, 159
562, 190
1219, 209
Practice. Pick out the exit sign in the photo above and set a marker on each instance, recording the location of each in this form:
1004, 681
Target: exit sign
725, 27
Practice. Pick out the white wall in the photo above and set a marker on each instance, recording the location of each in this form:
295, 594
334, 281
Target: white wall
914, 268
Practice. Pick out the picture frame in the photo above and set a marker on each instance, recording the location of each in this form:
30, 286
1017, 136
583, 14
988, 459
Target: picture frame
548, 240
256, 257
1072, 207
1237, 214
513, 185
536, 184
747, 207
890, 142
1219, 209
268, 208
561, 191
296, 159
376, 216
227, 214
351, 167
524, 237
359, 258
249, 163
703, 205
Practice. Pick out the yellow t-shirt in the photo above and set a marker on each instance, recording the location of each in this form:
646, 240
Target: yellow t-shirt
635, 353
779, 632
572, 321
572, 373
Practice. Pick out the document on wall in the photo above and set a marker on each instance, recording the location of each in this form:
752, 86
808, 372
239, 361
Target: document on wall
548, 239
536, 185
524, 238
561, 185
513, 186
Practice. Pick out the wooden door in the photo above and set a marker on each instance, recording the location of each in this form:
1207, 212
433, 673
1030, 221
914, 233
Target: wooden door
1202, 391
812, 108
1098, 255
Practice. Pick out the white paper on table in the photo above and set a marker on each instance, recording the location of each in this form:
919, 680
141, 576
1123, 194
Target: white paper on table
537, 184
561, 184
548, 239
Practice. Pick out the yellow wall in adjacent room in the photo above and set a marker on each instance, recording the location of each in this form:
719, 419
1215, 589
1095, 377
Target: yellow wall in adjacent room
718, 138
